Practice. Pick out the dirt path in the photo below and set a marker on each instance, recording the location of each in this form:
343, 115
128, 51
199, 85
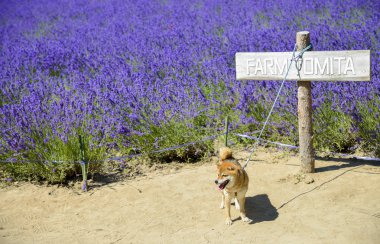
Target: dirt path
342, 205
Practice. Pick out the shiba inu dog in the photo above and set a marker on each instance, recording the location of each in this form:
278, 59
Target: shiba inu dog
232, 180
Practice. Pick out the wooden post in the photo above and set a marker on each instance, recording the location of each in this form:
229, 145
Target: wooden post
305, 114
226, 132
83, 163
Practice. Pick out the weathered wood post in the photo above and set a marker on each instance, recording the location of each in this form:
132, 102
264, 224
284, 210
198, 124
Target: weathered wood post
305, 128
226, 132
83, 162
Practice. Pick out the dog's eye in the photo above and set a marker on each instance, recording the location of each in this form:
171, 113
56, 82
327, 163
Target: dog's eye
224, 175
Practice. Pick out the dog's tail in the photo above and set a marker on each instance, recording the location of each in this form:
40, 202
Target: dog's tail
225, 153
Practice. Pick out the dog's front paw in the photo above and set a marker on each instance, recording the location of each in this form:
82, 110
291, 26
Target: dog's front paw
246, 219
222, 205
228, 221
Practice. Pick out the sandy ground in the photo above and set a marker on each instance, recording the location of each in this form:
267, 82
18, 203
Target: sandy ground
342, 205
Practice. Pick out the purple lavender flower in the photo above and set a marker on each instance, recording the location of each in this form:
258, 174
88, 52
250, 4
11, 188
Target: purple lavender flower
117, 72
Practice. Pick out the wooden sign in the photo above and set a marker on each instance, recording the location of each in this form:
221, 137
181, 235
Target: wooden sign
315, 65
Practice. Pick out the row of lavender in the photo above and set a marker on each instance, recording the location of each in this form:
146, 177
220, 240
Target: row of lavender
128, 74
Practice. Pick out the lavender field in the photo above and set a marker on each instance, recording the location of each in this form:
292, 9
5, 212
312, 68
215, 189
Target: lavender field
138, 76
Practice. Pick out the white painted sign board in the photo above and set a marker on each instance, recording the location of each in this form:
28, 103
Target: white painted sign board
316, 65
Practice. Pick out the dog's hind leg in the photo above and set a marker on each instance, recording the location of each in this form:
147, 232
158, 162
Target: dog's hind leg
241, 199
242, 210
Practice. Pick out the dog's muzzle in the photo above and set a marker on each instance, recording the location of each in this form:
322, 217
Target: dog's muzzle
223, 184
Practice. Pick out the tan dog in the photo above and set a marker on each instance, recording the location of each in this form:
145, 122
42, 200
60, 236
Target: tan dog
233, 182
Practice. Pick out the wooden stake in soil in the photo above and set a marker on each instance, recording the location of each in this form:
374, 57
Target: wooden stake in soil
305, 128
226, 132
83, 163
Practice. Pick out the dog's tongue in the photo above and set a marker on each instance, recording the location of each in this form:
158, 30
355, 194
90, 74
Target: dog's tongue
223, 185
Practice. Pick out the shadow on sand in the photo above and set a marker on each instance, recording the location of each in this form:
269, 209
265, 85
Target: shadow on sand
260, 209
344, 163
